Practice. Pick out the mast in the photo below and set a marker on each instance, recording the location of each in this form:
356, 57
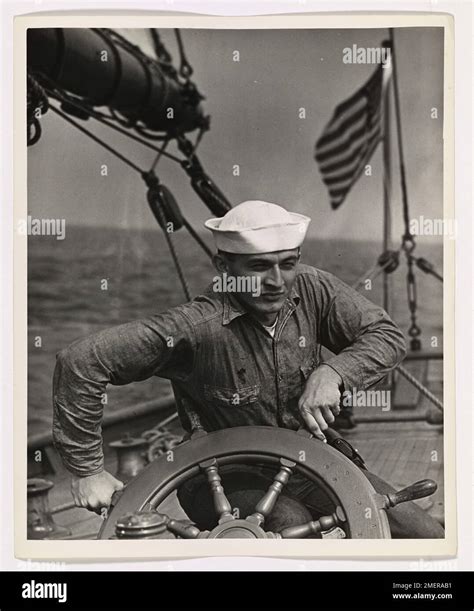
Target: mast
406, 216
387, 174
408, 244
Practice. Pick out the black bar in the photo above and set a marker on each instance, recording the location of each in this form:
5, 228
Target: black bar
296, 589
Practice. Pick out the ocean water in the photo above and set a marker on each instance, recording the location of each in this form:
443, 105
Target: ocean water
67, 300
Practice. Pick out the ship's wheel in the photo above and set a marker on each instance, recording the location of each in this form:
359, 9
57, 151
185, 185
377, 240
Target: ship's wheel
359, 511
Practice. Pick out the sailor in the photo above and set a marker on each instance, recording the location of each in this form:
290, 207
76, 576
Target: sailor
255, 356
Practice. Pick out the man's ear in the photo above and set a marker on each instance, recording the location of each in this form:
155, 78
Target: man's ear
220, 263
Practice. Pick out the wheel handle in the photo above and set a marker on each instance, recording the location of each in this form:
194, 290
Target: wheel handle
418, 490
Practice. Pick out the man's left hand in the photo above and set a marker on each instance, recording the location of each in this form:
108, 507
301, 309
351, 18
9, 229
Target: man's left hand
319, 403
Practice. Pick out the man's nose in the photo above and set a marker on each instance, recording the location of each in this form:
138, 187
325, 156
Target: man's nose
274, 278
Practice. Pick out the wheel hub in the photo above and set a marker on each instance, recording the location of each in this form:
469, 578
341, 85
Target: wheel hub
238, 529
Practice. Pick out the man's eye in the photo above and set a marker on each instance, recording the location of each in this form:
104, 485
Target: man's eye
287, 265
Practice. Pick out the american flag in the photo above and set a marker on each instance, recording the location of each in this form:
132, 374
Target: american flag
350, 138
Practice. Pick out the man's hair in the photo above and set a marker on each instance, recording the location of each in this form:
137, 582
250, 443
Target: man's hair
227, 255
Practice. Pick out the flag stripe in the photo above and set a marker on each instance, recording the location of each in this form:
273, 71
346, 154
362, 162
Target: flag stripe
353, 128
336, 192
341, 188
348, 163
348, 142
339, 130
360, 93
342, 162
341, 192
350, 137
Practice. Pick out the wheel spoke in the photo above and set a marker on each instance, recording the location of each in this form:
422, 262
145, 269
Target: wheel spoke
301, 531
312, 528
266, 504
221, 503
184, 531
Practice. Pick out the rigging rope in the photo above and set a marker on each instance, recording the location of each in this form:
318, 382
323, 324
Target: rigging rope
111, 149
417, 384
61, 97
185, 68
151, 181
161, 52
198, 238
387, 261
36, 102
159, 154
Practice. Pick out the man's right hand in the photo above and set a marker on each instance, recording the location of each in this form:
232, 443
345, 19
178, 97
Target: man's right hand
95, 492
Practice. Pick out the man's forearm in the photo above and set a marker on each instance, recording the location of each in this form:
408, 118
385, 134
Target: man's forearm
127, 353
77, 417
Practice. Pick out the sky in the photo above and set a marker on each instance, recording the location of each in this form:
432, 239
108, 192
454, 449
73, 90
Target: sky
254, 106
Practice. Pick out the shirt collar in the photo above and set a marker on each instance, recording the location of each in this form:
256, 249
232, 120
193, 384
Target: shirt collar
232, 308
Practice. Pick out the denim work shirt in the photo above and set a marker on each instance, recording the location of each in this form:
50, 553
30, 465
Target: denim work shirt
225, 368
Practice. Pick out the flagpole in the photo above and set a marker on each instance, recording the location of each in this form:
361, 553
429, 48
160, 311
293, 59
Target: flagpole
403, 180
408, 243
387, 179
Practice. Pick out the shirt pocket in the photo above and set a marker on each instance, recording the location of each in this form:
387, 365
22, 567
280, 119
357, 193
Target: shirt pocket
298, 378
231, 398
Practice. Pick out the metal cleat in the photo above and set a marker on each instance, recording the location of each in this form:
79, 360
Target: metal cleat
40, 522
131, 456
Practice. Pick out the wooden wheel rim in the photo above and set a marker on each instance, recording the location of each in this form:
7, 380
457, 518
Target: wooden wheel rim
322, 464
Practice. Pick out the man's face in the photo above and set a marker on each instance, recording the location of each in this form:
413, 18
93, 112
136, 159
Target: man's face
274, 273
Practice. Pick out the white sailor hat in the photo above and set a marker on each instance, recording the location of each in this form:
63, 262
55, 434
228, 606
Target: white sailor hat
256, 227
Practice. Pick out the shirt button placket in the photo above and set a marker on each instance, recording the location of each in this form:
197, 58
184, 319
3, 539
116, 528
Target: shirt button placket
282, 390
